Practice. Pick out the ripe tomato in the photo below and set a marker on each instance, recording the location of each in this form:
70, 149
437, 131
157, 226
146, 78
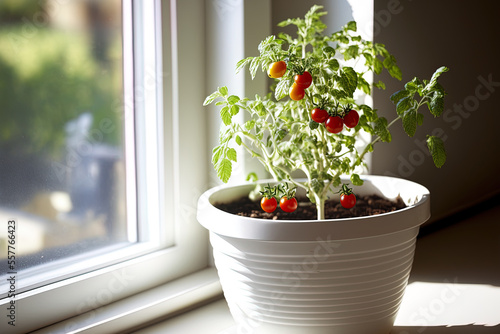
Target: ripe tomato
351, 119
319, 115
277, 69
348, 201
334, 124
268, 204
303, 80
288, 205
296, 92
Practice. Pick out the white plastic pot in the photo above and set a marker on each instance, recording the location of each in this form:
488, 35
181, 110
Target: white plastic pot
333, 276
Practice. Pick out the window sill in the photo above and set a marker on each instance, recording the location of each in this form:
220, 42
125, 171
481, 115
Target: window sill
144, 308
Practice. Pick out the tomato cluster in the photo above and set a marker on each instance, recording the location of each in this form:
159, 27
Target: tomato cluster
335, 123
301, 83
288, 202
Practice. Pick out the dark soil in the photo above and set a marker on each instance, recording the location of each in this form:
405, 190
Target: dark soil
365, 206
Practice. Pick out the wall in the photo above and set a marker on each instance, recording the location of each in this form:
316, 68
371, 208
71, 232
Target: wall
424, 35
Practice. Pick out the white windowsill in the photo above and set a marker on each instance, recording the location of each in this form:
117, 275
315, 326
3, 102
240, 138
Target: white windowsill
144, 308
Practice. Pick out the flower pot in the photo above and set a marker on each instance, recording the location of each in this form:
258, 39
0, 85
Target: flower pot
302, 276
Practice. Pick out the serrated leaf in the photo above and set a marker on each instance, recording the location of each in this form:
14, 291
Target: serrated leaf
231, 154
356, 180
399, 95
254, 66
242, 63
381, 129
435, 77
249, 125
282, 89
348, 80
438, 152
223, 91
404, 104
216, 154
351, 52
436, 104
351, 26
211, 98
233, 99
333, 64
377, 65
224, 170
410, 121
225, 115
235, 110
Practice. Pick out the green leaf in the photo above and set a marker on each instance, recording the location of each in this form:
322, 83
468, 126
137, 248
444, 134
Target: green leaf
348, 80
399, 95
381, 129
390, 64
404, 104
223, 91
356, 180
436, 147
351, 26
377, 65
224, 170
249, 125
242, 63
237, 139
328, 50
282, 89
216, 154
351, 52
225, 115
435, 77
254, 66
436, 104
235, 110
410, 121
211, 98
333, 64
233, 99
231, 154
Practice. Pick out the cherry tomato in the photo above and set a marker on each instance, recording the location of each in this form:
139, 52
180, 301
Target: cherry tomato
348, 201
334, 124
319, 115
351, 119
288, 205
277, 69
296, 92
268, 204
303, 80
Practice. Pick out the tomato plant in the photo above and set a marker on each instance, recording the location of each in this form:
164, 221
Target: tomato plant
282, 129
319, 115
334, 124
303, 80
277, 69
351, 119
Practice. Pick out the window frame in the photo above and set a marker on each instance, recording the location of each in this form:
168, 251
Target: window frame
181, 243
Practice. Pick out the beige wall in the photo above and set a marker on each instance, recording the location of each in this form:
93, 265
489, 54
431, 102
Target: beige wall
462, 35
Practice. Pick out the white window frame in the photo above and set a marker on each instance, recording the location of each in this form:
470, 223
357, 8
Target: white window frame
176, 164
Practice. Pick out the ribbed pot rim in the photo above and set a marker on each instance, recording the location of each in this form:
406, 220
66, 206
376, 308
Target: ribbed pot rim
416, 196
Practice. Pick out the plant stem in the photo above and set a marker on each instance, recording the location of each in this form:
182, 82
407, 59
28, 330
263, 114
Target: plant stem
320, 206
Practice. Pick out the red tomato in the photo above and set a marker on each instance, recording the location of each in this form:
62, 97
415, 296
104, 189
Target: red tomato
303, 80
296, 92
319, 115
268, 204
351, 119
334, 124
288, 205
348, 201
277, 69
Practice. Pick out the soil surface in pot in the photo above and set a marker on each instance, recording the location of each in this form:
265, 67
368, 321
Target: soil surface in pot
365, 206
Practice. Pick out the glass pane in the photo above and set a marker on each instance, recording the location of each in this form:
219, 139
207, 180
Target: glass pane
62, 170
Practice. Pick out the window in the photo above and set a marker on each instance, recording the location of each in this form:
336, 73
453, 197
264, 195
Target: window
93, 114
